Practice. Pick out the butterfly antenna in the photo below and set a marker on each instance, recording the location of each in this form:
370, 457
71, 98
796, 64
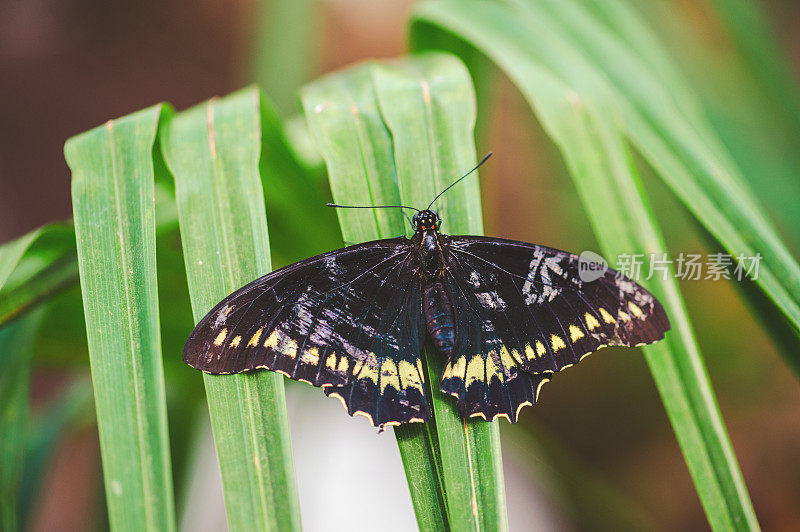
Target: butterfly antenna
459, 179
370, 206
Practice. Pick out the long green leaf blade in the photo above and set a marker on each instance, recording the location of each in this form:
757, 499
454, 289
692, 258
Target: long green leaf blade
756, 130
113, 206
584, 130
342, 110
213, 152
428, 105
623, 222
16, 347
752, 35
682, 151
681, 147
401, 131
34, 267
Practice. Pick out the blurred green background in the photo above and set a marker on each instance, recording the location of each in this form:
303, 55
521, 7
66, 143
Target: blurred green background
68, 65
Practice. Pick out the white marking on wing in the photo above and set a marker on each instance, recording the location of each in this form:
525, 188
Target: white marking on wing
491, 300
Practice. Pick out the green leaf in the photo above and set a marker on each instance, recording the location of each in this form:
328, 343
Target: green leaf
765, 56
588, 498
291, 187
114, 211
760, 144
429, 106
34, 267
401, 132
342, 111
680, 148
213, 151
619, 212
16, 346
581, 115
39, 265
283, 48
684, 151
751, 119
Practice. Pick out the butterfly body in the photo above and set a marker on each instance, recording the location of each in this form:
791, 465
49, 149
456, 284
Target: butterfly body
503, 316
430, 247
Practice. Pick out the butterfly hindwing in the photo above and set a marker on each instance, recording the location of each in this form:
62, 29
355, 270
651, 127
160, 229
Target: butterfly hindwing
482, 373
347, 321
523, 312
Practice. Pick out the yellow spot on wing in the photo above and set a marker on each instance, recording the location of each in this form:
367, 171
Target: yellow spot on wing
516, 356
342, 365
540, 349
634, 308
575, 333
281, 343
624, 316
220, 337
357, 366
505, 358
608, 318
591, 322
448, 371
310, 356
539, 389
529, 352
492, 370
460, 367
256, 337
389, 375
556, 342
409, 376
272, 340
235, 341
475, 371
289, 348
421, 373
330, 362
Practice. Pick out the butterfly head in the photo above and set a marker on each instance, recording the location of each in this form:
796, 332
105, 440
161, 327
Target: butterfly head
426, 220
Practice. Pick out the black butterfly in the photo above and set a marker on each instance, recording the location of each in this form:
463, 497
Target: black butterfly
504, 315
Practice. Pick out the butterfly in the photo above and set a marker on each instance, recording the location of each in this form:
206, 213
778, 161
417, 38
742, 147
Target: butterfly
503, 315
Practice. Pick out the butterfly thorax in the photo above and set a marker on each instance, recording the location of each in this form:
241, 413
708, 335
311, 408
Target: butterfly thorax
437, 308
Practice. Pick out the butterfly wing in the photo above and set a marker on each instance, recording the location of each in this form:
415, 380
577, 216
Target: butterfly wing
348, 321
524, 313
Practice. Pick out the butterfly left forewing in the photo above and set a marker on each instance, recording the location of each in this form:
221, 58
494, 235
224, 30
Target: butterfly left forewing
347, 321
525, 313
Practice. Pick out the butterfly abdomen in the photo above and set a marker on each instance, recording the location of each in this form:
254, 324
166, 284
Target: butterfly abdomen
439, 317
